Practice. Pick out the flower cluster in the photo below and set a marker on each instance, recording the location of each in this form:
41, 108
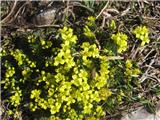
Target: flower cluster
65, 55
141, 33
121, 40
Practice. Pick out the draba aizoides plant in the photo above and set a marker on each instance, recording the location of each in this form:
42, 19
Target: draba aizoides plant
65, 77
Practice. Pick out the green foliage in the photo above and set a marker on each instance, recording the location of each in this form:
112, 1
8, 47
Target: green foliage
141, 33
94, 5
112, 25
88, 32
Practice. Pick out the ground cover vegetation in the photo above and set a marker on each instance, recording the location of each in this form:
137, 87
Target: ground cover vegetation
91, 61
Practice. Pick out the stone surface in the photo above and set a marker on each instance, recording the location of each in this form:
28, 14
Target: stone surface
142, 114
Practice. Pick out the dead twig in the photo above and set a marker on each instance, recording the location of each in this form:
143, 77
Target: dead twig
133, 54
144, 76
20, 9
125, 11
44, 26
115, 58
102, 10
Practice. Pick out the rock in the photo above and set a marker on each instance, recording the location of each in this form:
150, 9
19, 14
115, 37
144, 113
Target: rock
142, 114
44, 18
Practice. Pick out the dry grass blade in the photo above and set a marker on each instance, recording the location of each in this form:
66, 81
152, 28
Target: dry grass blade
7, 18
102, 10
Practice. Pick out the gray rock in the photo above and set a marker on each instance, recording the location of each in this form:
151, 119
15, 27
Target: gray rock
142, 114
